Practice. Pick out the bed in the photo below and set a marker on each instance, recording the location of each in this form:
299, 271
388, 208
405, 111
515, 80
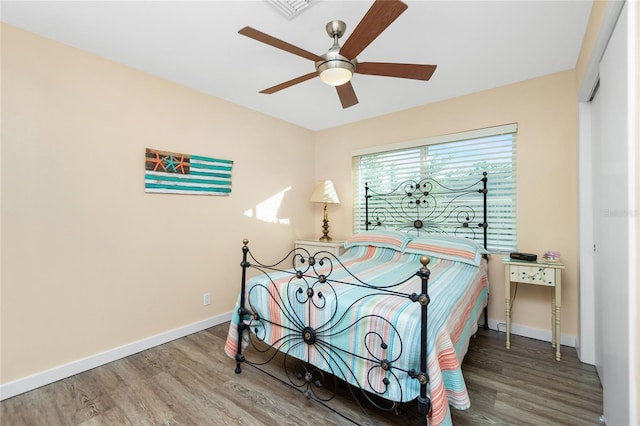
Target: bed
391, 318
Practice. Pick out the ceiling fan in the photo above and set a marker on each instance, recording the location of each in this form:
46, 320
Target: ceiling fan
336, 67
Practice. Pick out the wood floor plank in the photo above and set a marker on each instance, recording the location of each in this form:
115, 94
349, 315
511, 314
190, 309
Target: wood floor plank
113, 416
191, 381
138, 398
14, 410
212, 396
39, 408
190, 408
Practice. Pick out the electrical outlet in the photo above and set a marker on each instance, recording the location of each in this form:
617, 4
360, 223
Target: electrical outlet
206, 299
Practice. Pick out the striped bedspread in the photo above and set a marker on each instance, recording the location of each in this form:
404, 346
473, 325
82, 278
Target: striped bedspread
357, 329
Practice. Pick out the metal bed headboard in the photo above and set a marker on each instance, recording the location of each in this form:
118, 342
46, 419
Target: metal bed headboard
429, 206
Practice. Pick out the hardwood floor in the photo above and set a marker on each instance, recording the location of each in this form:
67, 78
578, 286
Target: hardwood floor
190, 381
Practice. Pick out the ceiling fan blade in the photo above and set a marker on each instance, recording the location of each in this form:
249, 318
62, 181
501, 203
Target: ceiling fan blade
379, 16
388, 69
283, 45
347, 95
289, 83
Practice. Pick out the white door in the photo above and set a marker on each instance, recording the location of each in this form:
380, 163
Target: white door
611, 226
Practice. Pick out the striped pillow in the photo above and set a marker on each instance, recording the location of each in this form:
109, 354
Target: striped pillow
447, 247
379, 238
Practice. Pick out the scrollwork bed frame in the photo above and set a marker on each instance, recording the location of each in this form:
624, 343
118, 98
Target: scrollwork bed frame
428, 206
416, 206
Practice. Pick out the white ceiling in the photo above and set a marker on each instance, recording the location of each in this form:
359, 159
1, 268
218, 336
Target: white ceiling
477, 45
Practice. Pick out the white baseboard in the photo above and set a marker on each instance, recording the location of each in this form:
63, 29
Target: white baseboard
46, 377
534, 333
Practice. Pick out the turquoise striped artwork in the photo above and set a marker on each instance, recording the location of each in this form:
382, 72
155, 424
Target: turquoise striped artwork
173, 173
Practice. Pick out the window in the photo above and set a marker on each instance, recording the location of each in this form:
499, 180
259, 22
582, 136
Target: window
455, 161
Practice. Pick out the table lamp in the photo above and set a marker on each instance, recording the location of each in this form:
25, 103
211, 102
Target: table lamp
325, 193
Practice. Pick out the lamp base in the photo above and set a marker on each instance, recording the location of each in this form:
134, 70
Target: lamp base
325, 226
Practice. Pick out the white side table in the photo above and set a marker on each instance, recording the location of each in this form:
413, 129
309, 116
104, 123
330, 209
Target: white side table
314, 246
536, 273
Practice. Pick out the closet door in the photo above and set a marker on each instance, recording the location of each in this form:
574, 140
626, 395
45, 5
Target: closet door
595, 216
611, 226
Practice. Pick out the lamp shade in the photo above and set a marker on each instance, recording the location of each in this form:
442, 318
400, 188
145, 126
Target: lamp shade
324, 193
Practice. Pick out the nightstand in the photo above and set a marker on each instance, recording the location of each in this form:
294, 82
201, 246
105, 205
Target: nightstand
314, 246
537, 273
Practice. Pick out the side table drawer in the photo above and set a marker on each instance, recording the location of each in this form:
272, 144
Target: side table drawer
532, 275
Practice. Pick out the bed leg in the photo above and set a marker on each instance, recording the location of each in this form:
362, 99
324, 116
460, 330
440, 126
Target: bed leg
486, 318
424, 406
241, 310
241, 328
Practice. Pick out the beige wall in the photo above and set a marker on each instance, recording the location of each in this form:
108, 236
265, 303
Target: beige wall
545, 110
89, 261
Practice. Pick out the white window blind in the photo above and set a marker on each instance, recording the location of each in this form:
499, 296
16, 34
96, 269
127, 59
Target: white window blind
455, 161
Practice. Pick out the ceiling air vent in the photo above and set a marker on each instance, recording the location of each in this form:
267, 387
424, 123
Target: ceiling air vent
291, 8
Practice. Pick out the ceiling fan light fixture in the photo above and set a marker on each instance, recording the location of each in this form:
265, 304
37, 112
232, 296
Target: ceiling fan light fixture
335, 70
336, 76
